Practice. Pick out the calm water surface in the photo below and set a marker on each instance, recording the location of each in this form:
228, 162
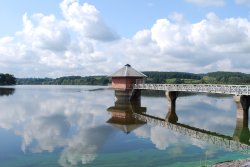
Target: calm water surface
69, 126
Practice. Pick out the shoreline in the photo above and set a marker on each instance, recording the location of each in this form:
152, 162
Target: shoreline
233, 163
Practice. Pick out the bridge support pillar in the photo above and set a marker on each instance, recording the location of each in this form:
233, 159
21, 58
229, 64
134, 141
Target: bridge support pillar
242, 103
241, 132
171, 115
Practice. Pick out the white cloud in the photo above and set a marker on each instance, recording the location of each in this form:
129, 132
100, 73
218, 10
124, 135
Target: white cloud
178, 17
86, 20
82, 44
49, 33
52, 47
6, 40
211, 39
243, 2
207, 2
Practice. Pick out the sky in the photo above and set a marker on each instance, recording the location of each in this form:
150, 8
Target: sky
74, 37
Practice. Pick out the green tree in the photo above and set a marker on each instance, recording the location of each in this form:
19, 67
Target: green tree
7, 79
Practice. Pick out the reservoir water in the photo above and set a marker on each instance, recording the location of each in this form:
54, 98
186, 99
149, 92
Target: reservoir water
71, 126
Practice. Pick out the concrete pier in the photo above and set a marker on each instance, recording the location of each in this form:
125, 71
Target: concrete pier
241, 132
128, 95
171, 115
242, 103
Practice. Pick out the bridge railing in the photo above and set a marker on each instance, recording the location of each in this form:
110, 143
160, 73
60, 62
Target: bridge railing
209, 88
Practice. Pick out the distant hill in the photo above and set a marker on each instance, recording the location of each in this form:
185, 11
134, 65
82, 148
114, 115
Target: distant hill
227, 77
170, 77
220, 77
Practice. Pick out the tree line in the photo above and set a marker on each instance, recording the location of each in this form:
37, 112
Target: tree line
220, 77
7, 79
69, 80
165, 77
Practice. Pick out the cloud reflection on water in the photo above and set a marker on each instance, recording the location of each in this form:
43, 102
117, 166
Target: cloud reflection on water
58, 120
83, 146
47, 132
76, 121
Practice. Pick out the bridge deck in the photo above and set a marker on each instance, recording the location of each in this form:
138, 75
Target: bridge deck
212, 88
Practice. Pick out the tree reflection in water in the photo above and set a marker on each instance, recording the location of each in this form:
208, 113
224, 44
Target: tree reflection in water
7, 91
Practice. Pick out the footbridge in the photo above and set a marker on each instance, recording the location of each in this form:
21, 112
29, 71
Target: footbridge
128, 84
241, 95
206, 88
127, 115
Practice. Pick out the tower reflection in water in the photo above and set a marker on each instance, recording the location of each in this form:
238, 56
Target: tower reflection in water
127, 115
126, 104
